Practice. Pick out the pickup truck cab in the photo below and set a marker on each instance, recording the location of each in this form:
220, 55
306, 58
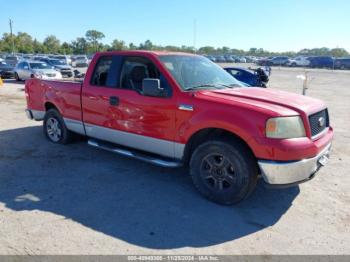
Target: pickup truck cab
174, 109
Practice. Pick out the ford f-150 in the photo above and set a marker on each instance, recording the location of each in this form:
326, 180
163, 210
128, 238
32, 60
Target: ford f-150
174, 109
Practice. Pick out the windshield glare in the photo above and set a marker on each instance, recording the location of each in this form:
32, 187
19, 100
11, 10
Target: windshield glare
197, 72
39, 66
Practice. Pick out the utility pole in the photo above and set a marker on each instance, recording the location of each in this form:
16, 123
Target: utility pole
13, 42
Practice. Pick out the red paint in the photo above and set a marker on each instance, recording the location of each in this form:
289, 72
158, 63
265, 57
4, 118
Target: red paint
242, 111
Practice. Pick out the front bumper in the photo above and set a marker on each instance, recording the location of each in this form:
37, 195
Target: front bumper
285, 173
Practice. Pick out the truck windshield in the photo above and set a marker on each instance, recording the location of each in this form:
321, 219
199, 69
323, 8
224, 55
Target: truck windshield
197, 72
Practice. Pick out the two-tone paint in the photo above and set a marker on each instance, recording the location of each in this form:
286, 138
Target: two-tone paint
164, 126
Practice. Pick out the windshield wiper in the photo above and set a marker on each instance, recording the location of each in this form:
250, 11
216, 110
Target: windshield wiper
192, 88
231, 85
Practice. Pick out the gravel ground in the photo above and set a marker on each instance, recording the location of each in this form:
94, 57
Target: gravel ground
78, 200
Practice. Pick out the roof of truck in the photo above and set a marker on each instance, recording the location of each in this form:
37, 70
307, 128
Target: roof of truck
157, 53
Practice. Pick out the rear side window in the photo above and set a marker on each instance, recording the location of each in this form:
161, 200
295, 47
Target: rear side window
102, 72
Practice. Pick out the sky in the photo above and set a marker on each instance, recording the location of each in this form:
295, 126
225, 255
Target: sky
275, 25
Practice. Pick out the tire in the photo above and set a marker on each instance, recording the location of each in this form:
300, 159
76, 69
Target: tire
55, 129
17, 77
224, 171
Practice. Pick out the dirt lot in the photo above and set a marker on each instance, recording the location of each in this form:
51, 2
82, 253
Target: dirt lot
78, 200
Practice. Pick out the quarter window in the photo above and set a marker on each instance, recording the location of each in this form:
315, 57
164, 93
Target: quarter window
102, 72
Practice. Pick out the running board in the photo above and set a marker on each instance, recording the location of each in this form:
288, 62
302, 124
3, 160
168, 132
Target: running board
134, 154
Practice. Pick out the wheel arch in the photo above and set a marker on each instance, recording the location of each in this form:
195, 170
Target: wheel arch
207, 134
49, 105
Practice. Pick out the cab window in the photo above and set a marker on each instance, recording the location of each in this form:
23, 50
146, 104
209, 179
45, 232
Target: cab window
135, 69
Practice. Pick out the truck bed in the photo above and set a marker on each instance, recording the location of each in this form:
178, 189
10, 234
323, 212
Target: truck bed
66, 95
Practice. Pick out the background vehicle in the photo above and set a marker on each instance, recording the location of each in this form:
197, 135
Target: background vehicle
342, 63
241, 59
12, 60
80, 61
298, 61
220, 59
60, 66
252, 77
6, 71
65, 58
229, 59
35, 69
321, 62
182, 109
278, 61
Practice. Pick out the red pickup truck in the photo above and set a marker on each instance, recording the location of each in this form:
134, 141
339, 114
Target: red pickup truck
174, 109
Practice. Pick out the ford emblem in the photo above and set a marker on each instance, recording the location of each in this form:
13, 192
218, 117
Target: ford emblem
321, 122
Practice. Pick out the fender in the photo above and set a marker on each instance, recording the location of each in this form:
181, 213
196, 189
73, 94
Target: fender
248, 125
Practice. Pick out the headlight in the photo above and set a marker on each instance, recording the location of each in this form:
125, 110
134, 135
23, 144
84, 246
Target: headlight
285, 127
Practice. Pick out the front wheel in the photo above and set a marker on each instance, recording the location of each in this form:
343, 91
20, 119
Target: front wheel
55, 129
224, 171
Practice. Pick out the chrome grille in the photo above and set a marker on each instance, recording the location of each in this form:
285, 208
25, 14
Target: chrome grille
319, 122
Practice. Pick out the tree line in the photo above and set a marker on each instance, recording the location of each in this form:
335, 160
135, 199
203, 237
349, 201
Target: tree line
91, 43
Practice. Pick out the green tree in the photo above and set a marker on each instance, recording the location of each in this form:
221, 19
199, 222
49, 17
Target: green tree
132, 46
24, 43
38, 47
66, 48
147, 45
93, 37
118, 45
339, 52
51, 44
80, 46
207, 50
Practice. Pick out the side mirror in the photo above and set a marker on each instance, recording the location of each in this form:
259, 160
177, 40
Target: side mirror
151, 87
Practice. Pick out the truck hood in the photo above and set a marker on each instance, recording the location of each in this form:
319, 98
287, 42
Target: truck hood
270, 99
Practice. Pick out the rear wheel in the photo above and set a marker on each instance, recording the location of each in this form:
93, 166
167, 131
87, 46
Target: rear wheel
224, 171
55, 129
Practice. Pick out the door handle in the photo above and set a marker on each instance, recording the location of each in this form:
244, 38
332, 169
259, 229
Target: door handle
114, 100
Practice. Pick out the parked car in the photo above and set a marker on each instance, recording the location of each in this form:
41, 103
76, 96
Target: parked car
241, 59
251, 77
220, 59
299, 61
12, 60
35, 69
321, 62
59, 65
342, 63
6, 71
80, 61
65, 58
229, 59
278, 61
181, 109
